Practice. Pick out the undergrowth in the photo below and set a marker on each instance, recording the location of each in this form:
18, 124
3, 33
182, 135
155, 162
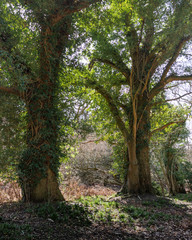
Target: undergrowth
112, 211
183, 197
71, 214
12, 231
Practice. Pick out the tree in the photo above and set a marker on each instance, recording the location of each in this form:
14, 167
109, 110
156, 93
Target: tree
173, 153
167, 148
136, 53
32, 66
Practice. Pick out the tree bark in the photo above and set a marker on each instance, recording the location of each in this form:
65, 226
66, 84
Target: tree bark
39, 164
138, 179
40, 161
133, 170
142, 150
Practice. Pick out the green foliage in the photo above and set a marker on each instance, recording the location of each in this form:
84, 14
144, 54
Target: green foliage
122, 40
158, 203
134, 37
105, 211
64, 213
112, 211
183, 197
170, 152
14, 231
11, 135
120, 159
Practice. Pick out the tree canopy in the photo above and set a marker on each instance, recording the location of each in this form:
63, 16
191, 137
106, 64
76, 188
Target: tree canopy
136, 51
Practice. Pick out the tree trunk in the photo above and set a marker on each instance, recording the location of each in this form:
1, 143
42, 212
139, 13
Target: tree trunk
144, 164
46, 189
40, 161
131, 183
39, 164
133, 170
142, 150
171, 169
174, 186
138, 176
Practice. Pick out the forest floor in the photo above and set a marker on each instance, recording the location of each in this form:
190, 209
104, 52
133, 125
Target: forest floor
99, 217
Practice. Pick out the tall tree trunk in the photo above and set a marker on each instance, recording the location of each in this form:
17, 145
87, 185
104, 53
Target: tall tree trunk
39, 165
40, 161
143, 153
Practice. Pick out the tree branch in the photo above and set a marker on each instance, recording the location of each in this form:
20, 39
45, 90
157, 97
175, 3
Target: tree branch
172, 78
175, 56
170, 100
71, 7
112, 106
12, 90
113, 65
131, 35
165, 80
165, 126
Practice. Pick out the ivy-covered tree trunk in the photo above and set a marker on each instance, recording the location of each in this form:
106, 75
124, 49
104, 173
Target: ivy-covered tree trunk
40, 162
49, 22
142, 150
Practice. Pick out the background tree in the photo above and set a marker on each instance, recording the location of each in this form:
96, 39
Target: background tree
167, 147
136, 52
37, 59
172, 155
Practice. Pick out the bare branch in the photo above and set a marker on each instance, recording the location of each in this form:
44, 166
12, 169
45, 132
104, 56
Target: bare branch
80, 111
170, 100
160, 85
